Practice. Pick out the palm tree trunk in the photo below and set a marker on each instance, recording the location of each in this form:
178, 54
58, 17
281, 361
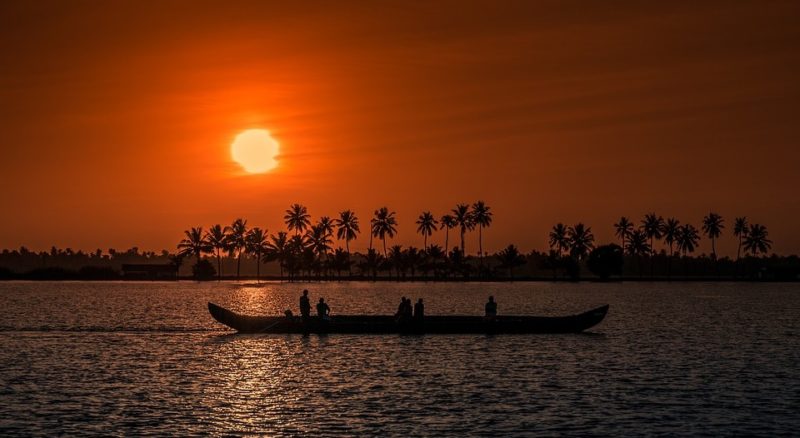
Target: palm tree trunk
219, 267
462, 242
480, 244
424, 240
384, 246
258, 267
238, 264
349, 265
446, 240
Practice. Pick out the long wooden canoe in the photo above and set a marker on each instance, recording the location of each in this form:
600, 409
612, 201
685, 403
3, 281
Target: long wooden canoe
389, 324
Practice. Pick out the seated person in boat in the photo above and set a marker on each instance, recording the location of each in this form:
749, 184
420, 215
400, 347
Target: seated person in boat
491, 308
419, 311
401, 308
305, 305
323, 310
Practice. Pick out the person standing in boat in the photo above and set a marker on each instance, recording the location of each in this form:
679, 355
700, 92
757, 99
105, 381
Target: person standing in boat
419, 311
491, 308
323, 310
305, 306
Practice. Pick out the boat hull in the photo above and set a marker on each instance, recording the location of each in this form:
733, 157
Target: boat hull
379, 324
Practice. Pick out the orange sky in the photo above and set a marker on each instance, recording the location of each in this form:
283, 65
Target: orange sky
116, 118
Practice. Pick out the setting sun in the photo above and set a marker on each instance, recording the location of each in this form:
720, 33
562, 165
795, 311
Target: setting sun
255, 150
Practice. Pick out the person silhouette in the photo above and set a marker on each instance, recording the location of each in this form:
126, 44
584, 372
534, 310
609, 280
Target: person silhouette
419, 311
323, 310
305, 305
491, 308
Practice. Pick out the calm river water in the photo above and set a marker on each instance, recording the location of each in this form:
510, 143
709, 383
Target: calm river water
146, 358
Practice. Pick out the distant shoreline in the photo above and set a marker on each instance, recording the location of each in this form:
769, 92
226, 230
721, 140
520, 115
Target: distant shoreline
356, 279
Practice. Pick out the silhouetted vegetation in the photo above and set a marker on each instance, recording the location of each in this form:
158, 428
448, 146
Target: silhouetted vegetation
307, 251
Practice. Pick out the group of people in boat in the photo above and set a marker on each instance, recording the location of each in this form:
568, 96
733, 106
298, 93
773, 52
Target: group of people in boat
406, 312
323, 309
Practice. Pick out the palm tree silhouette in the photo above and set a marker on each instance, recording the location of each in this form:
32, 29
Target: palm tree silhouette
581, 240
194, 244
448, 222
464, 220
297, 218
218, 237
384, 224
687, 240
652, 226
510, 258
278, 249
327, 224
558, 238
670, 233
318, 239
347, 228
712, 227
257, 245
237, 242
624, 228
756, 241
740, 231
482, 217
637, 247
426, 224
397, 259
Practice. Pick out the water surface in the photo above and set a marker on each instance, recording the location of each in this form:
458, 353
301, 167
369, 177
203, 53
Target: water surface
132, 358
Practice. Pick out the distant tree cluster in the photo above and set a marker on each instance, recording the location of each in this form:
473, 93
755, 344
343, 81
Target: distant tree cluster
305, 251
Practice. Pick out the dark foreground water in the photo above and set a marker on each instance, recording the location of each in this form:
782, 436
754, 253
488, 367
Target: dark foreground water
146, 358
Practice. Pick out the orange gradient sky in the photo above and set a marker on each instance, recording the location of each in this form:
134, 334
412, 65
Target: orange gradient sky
116, 118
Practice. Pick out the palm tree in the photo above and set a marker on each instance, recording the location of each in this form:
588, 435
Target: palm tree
756, 240
670, 232
237, 242
624, 228
278, 249
327, 224
426, 225
297, 218
397, 259
218, 238
347, 228
257, 245
463, 218
318, 240
194, 244
740, 231
384, 224
637, 247
687, 240
448, 222
581, 240
712, 227
176, 260
558, 238
482, 217
652, 226
510, 258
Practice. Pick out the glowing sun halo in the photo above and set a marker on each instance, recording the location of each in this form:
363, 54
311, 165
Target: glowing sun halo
255, 150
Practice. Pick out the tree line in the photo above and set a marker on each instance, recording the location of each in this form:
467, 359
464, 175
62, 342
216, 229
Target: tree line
320, 249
